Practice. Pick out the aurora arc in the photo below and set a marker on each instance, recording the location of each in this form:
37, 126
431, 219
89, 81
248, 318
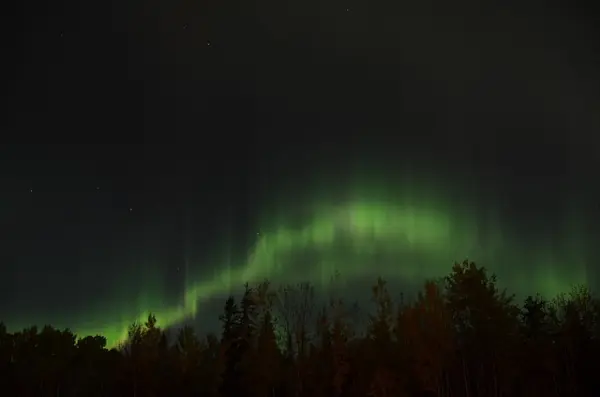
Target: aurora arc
408, 241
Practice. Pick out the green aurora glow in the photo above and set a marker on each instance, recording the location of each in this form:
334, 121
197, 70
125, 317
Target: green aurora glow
406, 236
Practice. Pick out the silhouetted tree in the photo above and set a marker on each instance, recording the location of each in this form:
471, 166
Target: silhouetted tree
486, 323
232, 350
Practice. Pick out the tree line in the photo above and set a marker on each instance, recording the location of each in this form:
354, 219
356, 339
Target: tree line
461, 336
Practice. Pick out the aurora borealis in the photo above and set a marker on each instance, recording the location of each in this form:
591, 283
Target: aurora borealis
308, 138
406, 233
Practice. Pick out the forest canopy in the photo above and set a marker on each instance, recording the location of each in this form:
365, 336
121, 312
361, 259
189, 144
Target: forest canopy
460, 336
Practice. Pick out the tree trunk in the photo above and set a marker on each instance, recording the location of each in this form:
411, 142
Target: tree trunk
465, 377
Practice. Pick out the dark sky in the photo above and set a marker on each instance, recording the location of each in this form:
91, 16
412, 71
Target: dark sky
184, 120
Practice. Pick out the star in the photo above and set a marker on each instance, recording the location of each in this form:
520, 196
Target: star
208, 43
30, 190
130, 209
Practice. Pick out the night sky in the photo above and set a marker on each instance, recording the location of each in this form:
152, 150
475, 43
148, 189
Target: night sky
214, 143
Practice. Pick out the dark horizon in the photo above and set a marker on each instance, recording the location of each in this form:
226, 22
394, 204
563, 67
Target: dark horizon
282, 342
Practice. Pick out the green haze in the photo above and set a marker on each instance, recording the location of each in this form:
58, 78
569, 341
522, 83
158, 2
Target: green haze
409, 234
